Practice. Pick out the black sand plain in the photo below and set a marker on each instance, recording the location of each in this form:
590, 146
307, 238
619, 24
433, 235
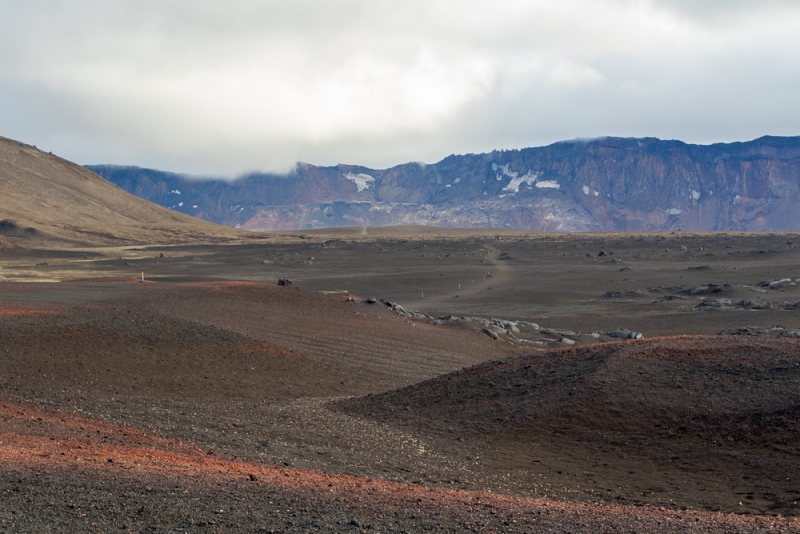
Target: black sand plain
210, 353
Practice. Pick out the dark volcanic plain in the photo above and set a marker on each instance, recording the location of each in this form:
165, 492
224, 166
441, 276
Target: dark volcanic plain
210, 399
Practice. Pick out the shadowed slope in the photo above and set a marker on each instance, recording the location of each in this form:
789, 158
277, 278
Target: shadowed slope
707, 421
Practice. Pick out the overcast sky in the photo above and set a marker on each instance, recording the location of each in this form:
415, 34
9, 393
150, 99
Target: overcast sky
225, 87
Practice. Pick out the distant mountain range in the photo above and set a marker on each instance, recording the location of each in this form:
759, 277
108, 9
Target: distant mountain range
606, 184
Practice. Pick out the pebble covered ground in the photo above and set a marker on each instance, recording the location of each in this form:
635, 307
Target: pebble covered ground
114, 393
65, 473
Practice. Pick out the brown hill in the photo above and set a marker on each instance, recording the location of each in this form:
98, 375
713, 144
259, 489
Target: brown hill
6, 244
49, 201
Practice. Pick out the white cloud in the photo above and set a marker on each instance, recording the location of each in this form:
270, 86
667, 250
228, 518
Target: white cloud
210, 87
571, 75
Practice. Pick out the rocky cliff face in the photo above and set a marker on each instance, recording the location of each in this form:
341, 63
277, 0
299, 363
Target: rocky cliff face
608, 184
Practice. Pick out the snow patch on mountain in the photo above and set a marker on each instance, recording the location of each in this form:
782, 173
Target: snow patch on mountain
548, 184
362, 181
505, 172
516, 181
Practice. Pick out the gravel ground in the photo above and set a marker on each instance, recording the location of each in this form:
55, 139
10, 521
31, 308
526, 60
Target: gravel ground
154, 376
67, 473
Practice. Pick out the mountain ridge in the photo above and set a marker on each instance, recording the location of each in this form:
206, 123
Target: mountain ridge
603, 184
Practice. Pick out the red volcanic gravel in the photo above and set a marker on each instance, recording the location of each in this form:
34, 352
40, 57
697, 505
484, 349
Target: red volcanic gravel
85, 474
20, 312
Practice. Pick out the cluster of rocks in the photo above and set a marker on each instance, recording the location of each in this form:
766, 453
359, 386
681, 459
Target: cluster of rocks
703, 289
720, 304
505, 330
354, 299
496, 327
763, 331
780, 283
567, 337
397, 309
700, 291
622, 333
673, 291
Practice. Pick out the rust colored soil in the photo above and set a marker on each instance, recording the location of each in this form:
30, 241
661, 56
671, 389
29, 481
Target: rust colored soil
24, 311
62, 446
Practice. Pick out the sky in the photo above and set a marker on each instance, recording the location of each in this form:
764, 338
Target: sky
223, 88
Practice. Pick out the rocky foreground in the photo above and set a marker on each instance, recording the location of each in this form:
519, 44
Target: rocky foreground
66, 473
